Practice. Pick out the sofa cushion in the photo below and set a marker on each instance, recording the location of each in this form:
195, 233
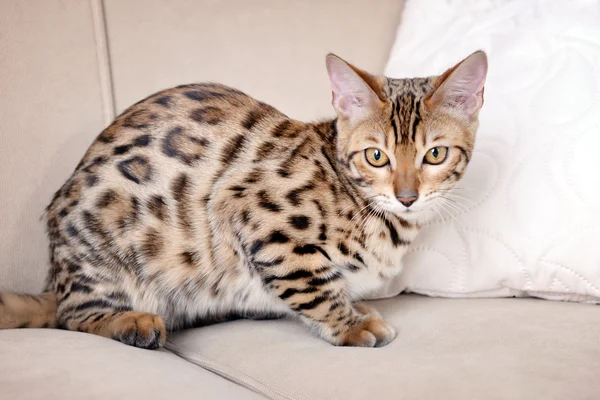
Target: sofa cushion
455, 349
51, 364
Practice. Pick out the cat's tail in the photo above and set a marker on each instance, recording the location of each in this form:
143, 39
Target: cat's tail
27, 311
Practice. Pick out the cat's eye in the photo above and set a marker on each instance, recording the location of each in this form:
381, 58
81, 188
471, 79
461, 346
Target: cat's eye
376, 157
436, 155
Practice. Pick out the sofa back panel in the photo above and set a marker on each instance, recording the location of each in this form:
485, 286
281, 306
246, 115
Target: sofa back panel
271, 49
51, 108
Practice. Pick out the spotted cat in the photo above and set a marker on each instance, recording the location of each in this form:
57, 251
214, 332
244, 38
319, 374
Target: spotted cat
200, 202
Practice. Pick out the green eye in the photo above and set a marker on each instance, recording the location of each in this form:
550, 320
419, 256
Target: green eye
436, 155
376, 157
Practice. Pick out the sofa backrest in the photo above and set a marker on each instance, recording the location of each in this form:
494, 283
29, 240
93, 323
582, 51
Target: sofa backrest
67, 67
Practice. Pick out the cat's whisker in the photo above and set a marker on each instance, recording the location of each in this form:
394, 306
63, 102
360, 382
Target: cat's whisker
367, 224
464, 208
360, 214
457, 204
342, 212
377, 213
434, 208
450, 191
456, 212
448, 212
459, 197
457, 188
357, 214
360, 224
453, 210
345, 209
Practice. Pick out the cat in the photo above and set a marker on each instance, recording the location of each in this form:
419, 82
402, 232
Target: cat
200, 201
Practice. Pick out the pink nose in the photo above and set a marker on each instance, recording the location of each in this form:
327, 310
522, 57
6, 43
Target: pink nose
407, 199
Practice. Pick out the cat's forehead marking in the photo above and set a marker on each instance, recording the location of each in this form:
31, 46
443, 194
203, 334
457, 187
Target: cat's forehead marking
418, 86
406, 98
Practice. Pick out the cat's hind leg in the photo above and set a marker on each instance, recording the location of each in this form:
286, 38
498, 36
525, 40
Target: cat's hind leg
87, 303
138, 329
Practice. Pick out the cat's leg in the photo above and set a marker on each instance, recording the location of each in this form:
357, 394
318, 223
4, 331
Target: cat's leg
88, 303
137, 329
316, 291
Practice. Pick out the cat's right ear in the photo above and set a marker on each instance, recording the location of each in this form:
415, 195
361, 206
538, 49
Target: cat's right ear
353, 97
461, 87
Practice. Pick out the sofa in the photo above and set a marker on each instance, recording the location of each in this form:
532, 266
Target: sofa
68, 67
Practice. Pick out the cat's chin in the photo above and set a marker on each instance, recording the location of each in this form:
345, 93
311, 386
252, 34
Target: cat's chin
411, 215
420, 216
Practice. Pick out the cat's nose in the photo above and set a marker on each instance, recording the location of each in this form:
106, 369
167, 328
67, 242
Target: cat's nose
407, 199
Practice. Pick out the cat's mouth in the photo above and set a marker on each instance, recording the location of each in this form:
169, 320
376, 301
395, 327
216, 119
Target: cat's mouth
412, 213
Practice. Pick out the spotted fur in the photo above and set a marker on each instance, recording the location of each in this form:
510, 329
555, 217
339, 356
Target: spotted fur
200, 202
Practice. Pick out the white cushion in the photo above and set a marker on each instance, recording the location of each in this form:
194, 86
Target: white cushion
531, 224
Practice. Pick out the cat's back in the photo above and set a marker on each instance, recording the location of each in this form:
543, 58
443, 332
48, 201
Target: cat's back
191, 127
151, 173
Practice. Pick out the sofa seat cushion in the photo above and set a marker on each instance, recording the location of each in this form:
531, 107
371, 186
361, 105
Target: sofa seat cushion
51, 364
451, 349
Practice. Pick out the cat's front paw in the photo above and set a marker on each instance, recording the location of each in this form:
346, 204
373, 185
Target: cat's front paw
371, 332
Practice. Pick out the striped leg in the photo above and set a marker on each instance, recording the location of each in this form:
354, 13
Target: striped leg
137, 329
87, 303
316, 291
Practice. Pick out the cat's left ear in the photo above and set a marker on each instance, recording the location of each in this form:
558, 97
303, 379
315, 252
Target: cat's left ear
461, 87
354, 96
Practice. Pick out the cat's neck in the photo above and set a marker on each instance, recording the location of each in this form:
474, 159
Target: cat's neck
327, 130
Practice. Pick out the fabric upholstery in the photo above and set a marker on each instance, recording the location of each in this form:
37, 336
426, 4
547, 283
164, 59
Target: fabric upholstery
446, 348
273, 50
50, 110
51, 364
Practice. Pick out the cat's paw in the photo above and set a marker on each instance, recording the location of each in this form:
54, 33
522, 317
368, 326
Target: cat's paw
143, 330
371, 332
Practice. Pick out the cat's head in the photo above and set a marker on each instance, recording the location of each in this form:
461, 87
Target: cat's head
406, 142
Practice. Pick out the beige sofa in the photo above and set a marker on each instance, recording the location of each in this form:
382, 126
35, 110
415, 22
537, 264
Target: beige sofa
66, 69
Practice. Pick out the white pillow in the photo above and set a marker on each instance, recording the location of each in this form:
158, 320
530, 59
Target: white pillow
532, 225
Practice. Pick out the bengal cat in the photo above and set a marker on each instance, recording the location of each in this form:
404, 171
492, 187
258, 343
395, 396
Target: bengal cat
200, 202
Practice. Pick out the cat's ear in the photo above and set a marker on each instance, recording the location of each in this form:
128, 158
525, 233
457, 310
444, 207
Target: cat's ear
353, 90
461, 87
